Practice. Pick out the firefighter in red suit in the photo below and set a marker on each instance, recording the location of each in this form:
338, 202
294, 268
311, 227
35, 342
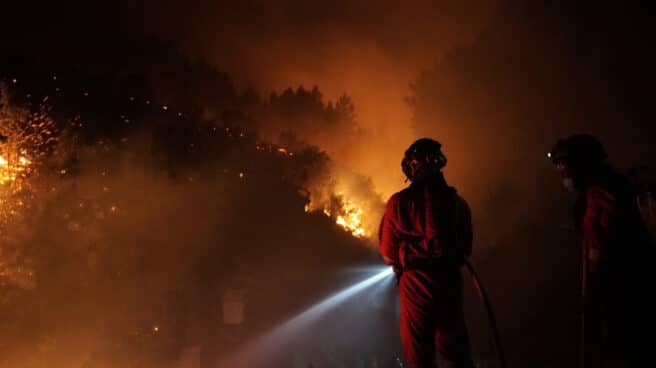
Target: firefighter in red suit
617, 257
426, 234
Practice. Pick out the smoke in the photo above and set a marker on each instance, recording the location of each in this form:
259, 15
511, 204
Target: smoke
539, 71
135, 231
370, 52
495, 84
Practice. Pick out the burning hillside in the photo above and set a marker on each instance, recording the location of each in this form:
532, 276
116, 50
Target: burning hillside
154, 209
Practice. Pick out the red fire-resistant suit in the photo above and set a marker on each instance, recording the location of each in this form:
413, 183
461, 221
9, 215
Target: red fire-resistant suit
618, 261
426, 231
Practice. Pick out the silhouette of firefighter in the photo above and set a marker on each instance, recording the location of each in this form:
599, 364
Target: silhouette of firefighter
426, 234
617, 256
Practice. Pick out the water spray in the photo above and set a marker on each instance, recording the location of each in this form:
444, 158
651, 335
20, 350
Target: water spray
260, 349
263, 347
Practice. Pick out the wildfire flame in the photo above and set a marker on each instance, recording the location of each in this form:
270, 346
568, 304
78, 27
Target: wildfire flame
347, 215
351, 220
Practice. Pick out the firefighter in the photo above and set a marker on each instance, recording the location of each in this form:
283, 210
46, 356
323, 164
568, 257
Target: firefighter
617, 252
426, 234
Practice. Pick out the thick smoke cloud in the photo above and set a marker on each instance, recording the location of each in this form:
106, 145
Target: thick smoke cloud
537, 72
146, 224
370, 52
532, 76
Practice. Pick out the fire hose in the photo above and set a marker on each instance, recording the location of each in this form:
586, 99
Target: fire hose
490, 314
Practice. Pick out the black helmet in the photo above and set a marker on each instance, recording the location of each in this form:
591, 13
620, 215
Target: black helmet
423, 157
579, 148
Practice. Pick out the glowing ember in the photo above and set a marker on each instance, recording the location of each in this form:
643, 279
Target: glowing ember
24, 138
11, 171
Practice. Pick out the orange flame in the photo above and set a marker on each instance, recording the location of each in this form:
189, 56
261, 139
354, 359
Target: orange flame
351, 219
348, 215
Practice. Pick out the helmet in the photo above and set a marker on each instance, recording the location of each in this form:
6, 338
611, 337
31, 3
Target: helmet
422, 158
579, 148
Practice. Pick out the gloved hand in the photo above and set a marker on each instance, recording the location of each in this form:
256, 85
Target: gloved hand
398, 271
